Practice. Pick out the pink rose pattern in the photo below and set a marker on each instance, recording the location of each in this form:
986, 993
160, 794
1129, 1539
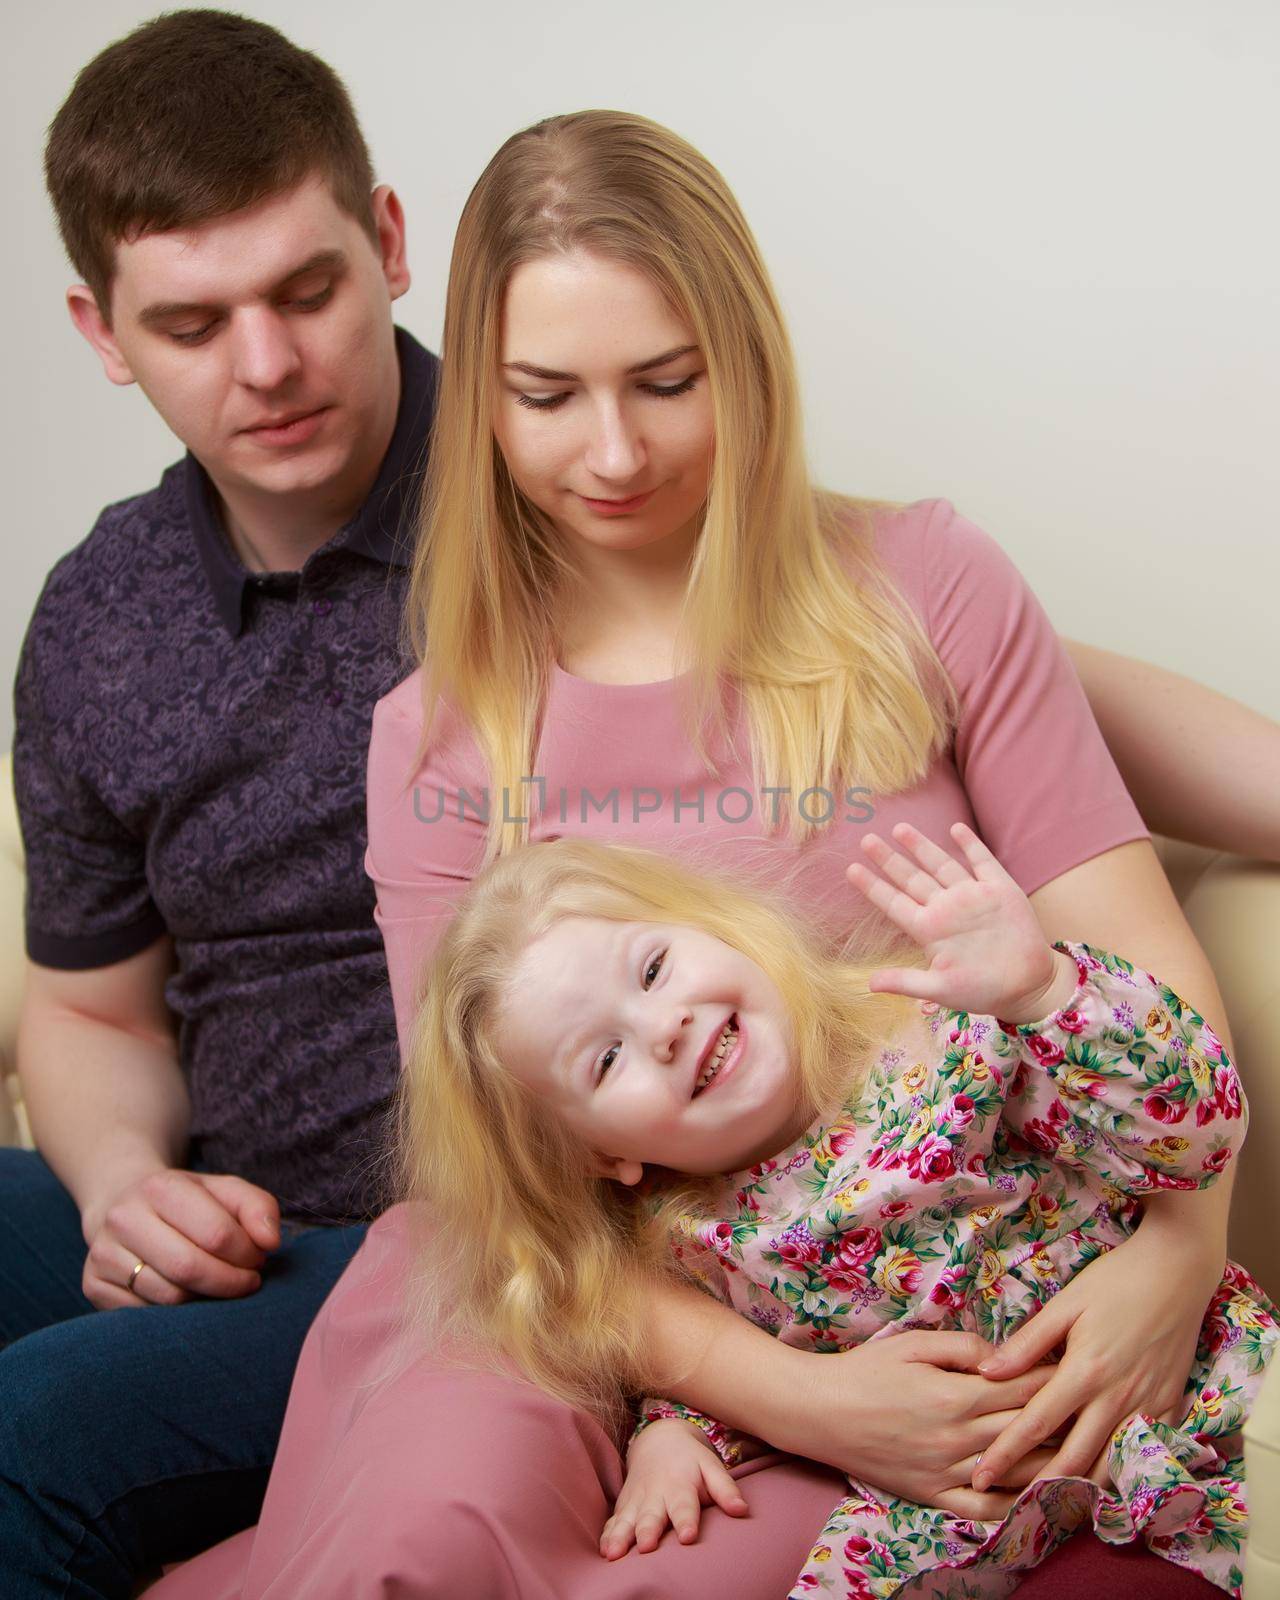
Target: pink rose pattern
979, 1170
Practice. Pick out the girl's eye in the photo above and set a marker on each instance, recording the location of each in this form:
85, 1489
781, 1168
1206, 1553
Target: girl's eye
607, 1060
656, 962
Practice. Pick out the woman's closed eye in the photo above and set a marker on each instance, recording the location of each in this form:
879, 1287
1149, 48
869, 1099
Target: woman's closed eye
652, 965
658, 391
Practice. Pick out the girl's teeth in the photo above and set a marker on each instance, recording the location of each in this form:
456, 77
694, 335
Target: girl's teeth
717, 1057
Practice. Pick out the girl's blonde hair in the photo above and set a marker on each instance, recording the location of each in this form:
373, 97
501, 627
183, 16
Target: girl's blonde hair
785, 598
528, 1252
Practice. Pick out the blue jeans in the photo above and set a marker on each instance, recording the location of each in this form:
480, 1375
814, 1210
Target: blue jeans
135, 1437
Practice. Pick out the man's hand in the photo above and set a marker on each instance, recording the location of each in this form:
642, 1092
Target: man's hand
909, 1415
672, 1472
196, 1233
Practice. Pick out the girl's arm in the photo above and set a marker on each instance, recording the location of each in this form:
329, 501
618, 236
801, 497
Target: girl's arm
1132, 1318
1199, 765
1125, 1081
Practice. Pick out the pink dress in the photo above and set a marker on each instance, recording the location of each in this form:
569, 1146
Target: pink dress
981, 1168
443, 1482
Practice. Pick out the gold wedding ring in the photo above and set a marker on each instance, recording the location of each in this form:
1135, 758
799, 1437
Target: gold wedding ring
133, 1276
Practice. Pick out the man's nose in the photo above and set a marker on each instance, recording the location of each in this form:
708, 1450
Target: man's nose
264, 352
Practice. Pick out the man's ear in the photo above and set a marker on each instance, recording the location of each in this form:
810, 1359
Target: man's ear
388, 215
89, 320
618, 1168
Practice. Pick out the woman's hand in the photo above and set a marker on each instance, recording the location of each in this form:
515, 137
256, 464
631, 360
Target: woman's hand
987, 951
1131, 1321
909, 1416
672, 1472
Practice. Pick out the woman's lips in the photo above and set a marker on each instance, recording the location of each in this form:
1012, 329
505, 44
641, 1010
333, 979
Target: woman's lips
732, 1059
617, 508
298, 431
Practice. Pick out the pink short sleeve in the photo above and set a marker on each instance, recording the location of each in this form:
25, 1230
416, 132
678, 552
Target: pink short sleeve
1042, 784
424, 846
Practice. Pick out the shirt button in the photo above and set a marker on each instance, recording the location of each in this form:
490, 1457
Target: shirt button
334, 697
322, 608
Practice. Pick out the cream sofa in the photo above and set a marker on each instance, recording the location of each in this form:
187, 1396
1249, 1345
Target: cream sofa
1234, 907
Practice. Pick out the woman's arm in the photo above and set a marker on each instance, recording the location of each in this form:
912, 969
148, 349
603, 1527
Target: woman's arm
1131, 1319
908, 1414
1199, 765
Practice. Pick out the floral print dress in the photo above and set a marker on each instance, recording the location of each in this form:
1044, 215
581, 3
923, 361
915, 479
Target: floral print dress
982, 1166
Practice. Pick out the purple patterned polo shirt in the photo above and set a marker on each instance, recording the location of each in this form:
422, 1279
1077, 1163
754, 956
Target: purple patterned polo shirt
189, 757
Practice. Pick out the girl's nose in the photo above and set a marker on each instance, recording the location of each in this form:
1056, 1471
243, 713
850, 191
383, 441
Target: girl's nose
670, 1031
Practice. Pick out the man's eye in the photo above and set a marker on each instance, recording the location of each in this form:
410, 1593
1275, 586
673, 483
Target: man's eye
192, 335
656, 962
312, 302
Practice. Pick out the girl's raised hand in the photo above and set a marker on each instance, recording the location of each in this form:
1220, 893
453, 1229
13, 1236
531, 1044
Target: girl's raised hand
987, 951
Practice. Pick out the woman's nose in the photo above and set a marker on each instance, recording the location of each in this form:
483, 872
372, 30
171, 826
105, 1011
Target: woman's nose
615, 451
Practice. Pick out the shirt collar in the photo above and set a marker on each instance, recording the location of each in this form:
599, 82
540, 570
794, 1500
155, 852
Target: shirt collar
383, 527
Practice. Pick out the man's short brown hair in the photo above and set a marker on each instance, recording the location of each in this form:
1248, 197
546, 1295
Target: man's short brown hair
195, 115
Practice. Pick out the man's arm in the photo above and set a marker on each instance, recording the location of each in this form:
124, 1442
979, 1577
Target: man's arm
1199, 765
98, 1062
109, 1109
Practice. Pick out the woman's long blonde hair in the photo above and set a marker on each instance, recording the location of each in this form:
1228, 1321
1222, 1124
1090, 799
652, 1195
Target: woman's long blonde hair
527, 1252
785, 599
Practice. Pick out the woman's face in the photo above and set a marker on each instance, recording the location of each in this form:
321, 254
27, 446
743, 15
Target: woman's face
604, 410
654, 1043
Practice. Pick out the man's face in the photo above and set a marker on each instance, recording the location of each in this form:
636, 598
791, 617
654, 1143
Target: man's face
263, 338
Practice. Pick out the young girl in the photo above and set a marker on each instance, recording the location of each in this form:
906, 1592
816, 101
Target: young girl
622, 1064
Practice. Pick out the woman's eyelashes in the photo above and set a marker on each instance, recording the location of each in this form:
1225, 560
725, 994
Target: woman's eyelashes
658, 391
654, 965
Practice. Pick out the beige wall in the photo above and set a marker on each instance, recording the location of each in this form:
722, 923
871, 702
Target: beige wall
1028, 250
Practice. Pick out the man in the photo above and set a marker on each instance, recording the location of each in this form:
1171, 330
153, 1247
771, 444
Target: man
207, 1045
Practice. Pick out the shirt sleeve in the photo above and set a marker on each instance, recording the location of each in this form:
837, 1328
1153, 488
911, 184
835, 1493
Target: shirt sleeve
1043, 786
426, 841
87, 899
1126, 1081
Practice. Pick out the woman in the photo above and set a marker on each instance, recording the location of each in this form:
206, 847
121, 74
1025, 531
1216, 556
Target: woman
631, 591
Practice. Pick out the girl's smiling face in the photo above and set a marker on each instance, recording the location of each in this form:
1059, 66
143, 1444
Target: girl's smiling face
655, 1044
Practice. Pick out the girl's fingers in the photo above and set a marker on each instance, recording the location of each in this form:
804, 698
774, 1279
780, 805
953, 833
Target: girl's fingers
684, 1512
914, 881
898, 907
985, 865
945, 868
651, 1524
723, 1489
616, 1536
904, 980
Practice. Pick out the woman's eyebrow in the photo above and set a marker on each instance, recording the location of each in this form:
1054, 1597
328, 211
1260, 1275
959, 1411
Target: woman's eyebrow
572, 377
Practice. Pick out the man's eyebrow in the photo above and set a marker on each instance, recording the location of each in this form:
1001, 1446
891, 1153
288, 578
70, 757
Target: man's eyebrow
572, 377
163, 310
622, 963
